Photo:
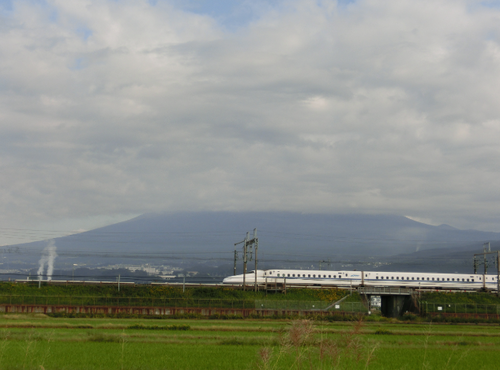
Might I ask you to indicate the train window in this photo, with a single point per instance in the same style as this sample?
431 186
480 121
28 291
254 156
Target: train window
304 275
452 279
413 278
387 277
448 279
392 277
467 279
472 280
329 276
314 275
432 279
293 275
377 277
278 275
418 278
308 275
288 275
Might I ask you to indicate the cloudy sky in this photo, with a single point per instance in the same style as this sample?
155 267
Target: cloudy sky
113 108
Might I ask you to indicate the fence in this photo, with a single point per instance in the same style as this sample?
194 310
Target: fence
309 306
125 301
181 303
459 308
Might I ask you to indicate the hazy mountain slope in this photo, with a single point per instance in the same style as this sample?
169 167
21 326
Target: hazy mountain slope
204 236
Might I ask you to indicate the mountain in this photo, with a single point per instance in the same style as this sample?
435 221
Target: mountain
285 239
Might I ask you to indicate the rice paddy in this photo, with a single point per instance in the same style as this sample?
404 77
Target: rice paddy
40 342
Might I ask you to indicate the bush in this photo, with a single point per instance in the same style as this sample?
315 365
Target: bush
408 316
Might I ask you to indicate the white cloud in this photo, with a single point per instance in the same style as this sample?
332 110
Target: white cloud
112 108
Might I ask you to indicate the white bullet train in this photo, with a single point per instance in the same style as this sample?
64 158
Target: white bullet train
346 279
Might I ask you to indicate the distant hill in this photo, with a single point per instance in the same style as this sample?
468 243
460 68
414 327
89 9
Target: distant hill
286 239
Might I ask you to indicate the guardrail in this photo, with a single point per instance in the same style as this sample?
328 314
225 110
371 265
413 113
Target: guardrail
384 290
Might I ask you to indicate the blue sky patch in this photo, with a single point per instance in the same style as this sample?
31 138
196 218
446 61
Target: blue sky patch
84 32
78 64
6 5
231 14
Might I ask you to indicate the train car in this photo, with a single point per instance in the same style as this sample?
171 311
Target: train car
341 278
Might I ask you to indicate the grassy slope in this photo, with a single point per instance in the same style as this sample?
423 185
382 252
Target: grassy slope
444 297
327 295
152 291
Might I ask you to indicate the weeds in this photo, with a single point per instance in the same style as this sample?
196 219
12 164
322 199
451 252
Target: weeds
383 331
122 359
300 344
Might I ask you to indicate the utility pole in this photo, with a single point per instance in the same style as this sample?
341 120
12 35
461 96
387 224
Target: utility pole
484 256
235 259
248 244
256 246
245 261
485 262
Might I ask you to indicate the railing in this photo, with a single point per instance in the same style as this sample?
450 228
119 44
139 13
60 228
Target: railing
459 308
125 301
384 290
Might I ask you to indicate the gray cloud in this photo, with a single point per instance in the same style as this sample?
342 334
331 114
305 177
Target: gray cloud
376 106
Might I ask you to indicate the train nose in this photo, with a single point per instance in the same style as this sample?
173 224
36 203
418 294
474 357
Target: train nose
227 280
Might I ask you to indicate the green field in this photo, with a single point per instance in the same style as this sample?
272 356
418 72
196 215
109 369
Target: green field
39 342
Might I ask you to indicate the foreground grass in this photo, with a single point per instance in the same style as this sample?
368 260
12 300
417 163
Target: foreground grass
29 342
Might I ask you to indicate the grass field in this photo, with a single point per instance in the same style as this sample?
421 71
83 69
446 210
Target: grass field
38 342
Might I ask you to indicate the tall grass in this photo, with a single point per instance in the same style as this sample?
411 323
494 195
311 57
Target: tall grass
300 348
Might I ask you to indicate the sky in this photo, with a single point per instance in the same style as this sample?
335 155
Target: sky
114 108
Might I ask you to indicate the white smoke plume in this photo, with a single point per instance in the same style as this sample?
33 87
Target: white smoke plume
48 256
